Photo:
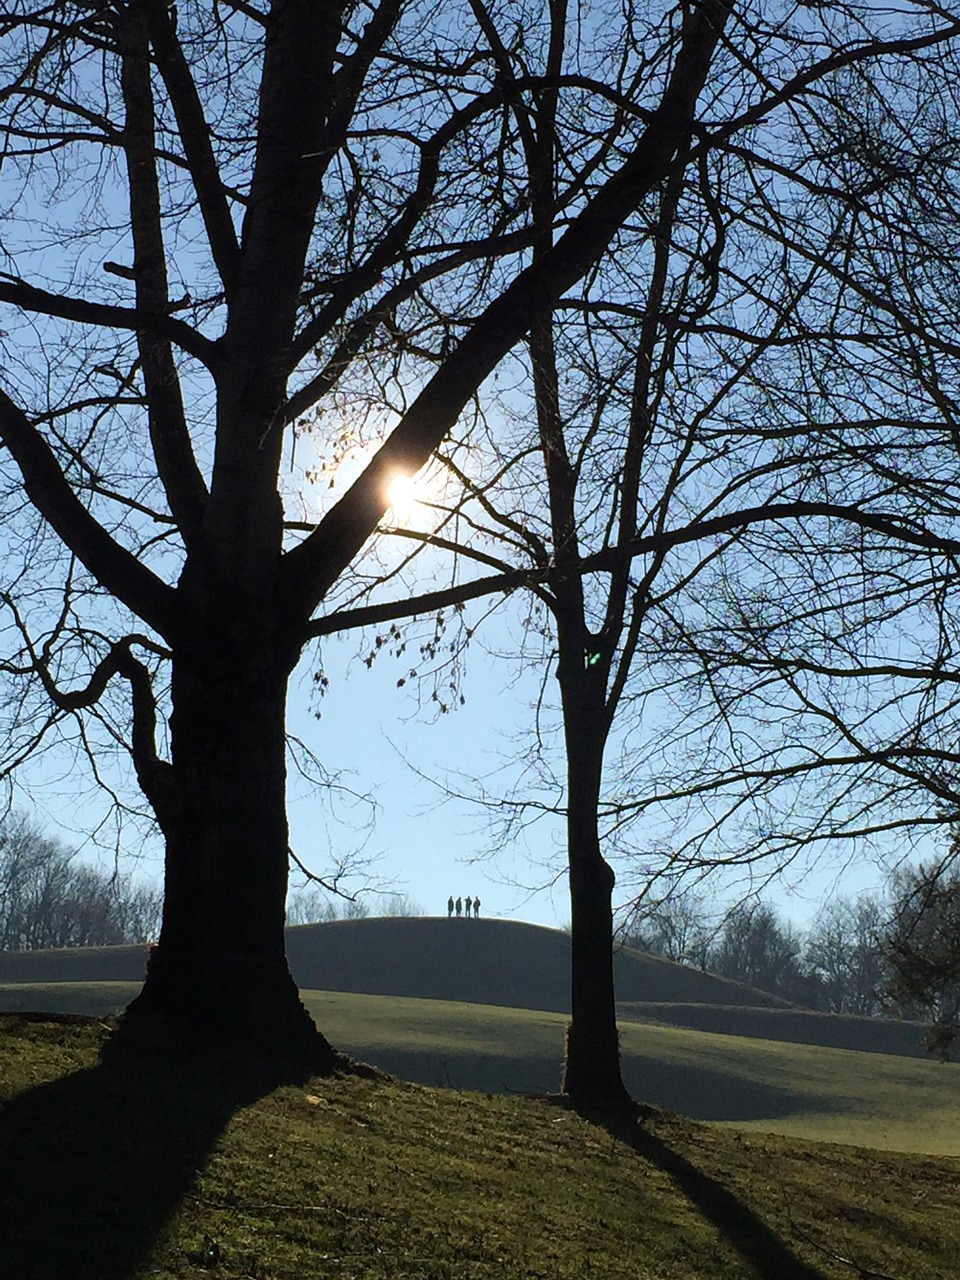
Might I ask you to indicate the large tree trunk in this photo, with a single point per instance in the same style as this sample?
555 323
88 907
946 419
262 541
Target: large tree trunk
591 1076
219 972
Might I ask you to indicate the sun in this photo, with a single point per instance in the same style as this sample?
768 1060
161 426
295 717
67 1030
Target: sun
406 496
402 493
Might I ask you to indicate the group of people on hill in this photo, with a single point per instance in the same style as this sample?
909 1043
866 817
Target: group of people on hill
462 907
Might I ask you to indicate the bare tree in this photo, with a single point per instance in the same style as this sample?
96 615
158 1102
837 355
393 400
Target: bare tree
302 204
313 906
756 947
921 944
842 954
49 899
817 707
679 927
635 485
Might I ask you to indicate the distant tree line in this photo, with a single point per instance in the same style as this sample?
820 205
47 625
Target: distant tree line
922 948
313 906
896 954
50 899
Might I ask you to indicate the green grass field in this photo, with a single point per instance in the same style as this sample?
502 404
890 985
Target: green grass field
145 1169
809 1091
835 1095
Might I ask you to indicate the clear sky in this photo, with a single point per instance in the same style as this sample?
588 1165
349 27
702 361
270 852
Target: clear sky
429 845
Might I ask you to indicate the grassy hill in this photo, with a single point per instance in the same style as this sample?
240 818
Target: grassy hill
837 1095
872 1100
798 1026
489 962
502 962
75 964
189 1169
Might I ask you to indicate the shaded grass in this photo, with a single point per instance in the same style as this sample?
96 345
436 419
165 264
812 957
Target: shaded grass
126 963
870 1100
369 1179
799 1026
499 962
98 1155
92 999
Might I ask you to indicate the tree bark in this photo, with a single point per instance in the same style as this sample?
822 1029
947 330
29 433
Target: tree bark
219 973
591 1077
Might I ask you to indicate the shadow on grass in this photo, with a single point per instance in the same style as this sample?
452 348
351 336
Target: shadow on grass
698 1091
693 1090
95 1164
760 1246
770 1257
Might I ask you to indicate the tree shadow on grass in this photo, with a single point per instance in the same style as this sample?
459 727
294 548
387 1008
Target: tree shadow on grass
770 1257
694 1090
704 1093
96 1163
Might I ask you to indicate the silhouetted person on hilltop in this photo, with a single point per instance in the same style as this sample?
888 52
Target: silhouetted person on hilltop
469 906
459 906
476 908
450 905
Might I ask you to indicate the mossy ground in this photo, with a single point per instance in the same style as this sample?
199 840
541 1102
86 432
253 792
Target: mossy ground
180 1170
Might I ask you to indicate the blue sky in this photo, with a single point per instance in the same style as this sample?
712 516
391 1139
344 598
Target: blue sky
394 762
369 731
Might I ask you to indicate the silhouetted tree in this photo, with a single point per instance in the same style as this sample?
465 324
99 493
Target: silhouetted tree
310 208
755 946
842 953
631 457
822 716
311 906
677 926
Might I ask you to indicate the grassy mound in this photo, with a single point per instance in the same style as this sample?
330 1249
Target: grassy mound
500 962
91 999
75 964
799 1026
871 1100
179 1171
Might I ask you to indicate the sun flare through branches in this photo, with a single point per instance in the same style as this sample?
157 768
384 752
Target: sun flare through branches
409 500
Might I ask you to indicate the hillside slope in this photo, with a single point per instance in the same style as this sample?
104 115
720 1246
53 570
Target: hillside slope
185 1168
501 962
793 1026
868 1099
75 964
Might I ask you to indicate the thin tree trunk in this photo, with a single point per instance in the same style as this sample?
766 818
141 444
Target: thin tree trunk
592 1075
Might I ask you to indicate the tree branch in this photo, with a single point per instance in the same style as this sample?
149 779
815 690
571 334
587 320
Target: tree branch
197 146
611 558
107 316
176 464
375 614
117 570
311 568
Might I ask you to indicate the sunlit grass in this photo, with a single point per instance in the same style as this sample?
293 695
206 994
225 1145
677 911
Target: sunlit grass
371 1179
